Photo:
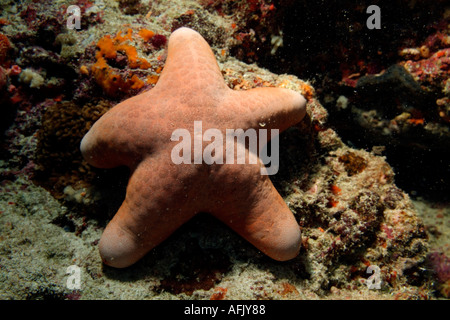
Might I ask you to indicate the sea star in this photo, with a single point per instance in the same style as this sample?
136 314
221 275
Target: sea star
162 195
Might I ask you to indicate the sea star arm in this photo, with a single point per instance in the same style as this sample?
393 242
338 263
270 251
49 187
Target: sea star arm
191 66
267 108
123 134
252 207
148 215
106 143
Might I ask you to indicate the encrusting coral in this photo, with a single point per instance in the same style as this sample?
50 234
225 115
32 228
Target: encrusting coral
118 52
63 126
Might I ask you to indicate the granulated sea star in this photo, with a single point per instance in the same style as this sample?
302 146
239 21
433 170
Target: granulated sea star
162 195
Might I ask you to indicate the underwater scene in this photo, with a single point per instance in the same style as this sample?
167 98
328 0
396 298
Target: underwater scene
224 150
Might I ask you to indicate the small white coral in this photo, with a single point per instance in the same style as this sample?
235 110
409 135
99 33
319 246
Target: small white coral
32 78
342 102
276 41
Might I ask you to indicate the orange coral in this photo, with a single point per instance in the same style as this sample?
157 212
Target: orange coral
152 79
307 90
84 70
416 121
219 293
136 82
288 289
332 203
146 34
109 48
335 190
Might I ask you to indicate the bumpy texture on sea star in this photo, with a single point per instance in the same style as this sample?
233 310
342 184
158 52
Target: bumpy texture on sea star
162 195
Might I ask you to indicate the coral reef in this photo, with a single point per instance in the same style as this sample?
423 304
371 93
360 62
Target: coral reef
252 23
352 217
386 92
132 7
393 81
441 266
58 157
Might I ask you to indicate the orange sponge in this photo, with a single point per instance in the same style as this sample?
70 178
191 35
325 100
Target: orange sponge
108 48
